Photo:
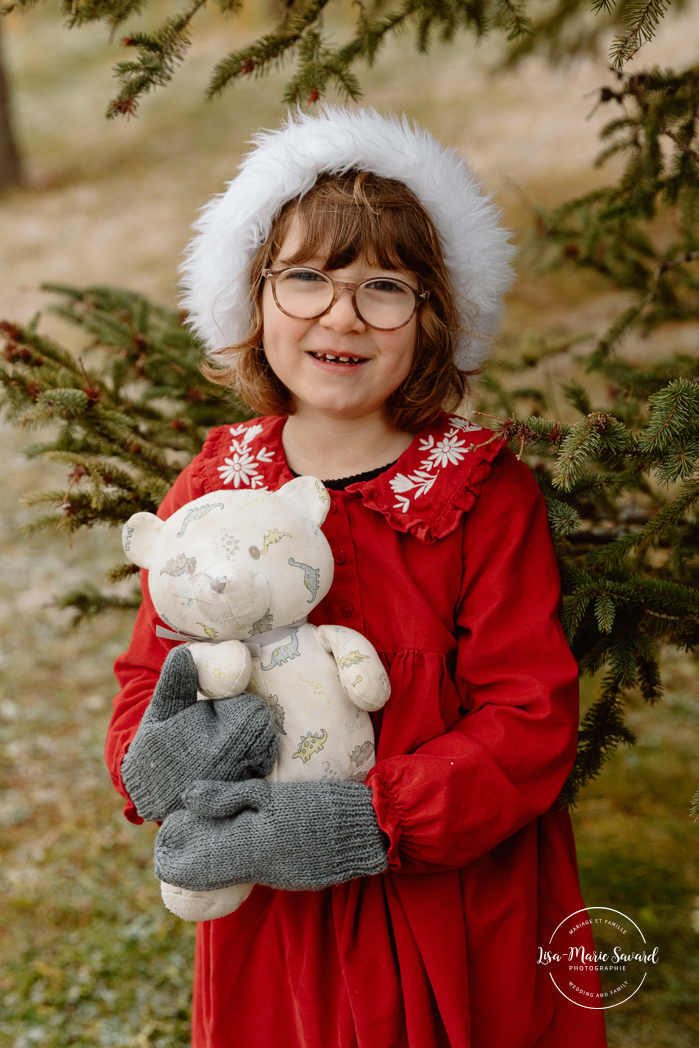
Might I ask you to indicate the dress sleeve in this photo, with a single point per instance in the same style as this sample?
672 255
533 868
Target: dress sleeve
138 669
504 763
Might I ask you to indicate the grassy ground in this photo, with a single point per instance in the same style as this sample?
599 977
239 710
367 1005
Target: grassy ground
88 956
638 852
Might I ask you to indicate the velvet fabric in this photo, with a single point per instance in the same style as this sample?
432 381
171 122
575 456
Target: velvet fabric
445 563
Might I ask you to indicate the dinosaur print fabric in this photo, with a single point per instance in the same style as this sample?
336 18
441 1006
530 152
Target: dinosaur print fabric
325 702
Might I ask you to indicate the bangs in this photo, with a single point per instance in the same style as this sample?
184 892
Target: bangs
360 215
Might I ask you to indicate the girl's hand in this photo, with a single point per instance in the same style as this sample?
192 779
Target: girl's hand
293 835
181 740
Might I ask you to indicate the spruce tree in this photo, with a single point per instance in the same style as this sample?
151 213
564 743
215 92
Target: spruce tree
126 415
300 33
621 482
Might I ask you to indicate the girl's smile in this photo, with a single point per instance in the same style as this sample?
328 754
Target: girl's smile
337 362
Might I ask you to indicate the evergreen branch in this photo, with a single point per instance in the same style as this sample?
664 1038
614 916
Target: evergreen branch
601 731
25 347
552 33
605 611
88 601
577 396
563 518
607 6
532 430
113 12
689 152
673 263
634 314
632 381
594 482
536 348
511 17
641 22
266 52
44 498
574 609
41 522
586 439
296 31
665 519
160 52
616 332
673 409
666 595
159 55
116 448
121 571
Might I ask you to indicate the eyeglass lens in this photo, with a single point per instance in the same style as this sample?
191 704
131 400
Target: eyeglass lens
381 303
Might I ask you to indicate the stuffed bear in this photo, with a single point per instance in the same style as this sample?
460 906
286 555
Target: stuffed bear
234 574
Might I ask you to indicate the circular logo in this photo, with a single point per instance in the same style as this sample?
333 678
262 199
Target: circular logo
598 957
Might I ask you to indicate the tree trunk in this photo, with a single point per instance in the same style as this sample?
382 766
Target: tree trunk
10 163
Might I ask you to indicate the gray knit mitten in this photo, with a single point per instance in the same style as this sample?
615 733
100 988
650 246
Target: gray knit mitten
293 835
181 740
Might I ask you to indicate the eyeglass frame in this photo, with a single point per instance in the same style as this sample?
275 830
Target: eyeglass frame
419 296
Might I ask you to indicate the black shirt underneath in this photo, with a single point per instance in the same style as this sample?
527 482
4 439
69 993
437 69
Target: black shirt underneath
343 482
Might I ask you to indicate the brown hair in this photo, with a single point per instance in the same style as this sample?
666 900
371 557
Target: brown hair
359 214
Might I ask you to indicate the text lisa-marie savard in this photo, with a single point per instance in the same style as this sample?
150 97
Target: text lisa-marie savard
616 960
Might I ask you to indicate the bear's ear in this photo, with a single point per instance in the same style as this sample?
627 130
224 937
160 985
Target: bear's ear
309 495
139 536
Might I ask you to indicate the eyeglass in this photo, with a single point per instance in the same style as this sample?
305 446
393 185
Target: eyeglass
381 302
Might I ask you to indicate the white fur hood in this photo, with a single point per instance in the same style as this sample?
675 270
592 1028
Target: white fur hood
286 163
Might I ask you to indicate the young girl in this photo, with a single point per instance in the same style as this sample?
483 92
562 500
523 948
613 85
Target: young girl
345 285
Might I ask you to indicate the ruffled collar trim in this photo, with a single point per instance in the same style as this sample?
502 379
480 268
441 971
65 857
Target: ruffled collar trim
425 492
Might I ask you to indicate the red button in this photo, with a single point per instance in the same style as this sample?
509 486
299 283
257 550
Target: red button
339 556
346 609
333 505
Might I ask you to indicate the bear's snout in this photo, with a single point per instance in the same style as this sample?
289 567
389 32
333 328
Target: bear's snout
230 597
216 582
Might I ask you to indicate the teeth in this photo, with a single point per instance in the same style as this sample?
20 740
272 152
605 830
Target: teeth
332 358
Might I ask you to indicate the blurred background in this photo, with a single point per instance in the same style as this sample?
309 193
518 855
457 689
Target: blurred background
88 955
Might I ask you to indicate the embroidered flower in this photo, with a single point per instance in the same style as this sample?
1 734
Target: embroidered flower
462 424
240 469
401 483
249 433
423 481
420 481
449 449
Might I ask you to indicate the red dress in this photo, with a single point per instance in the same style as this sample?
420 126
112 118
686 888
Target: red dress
445 562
